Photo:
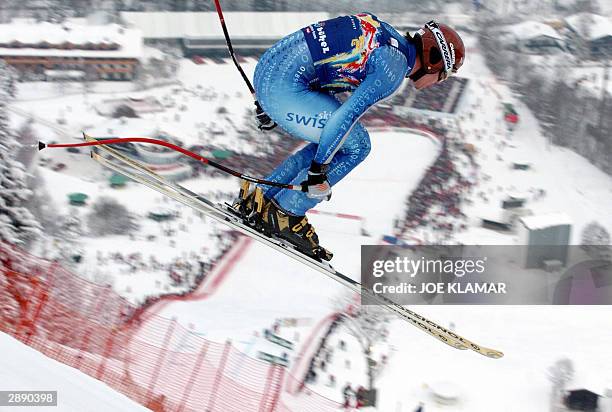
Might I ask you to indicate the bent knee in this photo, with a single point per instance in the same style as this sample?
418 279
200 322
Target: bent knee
358 145
366 144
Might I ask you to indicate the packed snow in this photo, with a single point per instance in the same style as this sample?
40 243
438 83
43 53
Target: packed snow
29 370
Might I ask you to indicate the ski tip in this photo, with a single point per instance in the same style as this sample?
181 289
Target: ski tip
495 354
41 145
488 352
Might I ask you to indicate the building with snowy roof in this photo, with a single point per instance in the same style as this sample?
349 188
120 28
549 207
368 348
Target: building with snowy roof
546 238
582 400
593 29
589 393
40 49
200 33
533 37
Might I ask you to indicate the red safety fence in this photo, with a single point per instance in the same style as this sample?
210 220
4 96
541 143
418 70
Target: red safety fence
158 363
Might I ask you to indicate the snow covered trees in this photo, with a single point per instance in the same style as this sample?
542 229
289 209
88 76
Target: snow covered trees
572 107
58 12
596 240
370 327
70 230
595 234
17 225
8 79
560 374
25 136
7 82
367 323
109 217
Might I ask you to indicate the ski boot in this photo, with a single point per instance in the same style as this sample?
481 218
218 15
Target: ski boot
295 229
249 205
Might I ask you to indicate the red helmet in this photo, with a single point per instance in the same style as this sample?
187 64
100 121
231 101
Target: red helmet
441 49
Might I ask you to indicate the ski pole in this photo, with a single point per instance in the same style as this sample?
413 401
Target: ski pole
230 48
195 156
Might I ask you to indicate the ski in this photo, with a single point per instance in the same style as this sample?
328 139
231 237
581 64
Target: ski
140 173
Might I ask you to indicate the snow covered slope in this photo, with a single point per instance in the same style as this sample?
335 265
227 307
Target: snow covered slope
24 369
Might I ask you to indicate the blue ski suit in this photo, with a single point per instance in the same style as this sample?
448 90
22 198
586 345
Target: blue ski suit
295 82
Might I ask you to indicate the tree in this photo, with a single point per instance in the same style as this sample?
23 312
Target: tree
87 81
124 111
595 234
58 12
17 224
142 76
560 114
504 64
8 83
118 6
41 204
560 374
109 217
263 5
172 64
201 5
70 230
595 240
368 324
178 5
26 137
586 6
61 84
371 322
584 27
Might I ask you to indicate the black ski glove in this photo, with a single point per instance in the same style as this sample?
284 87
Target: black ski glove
263 120
317 186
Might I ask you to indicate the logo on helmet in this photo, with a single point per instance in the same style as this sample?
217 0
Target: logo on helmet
448 55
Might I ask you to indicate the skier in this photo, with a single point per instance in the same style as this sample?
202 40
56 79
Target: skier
295 82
